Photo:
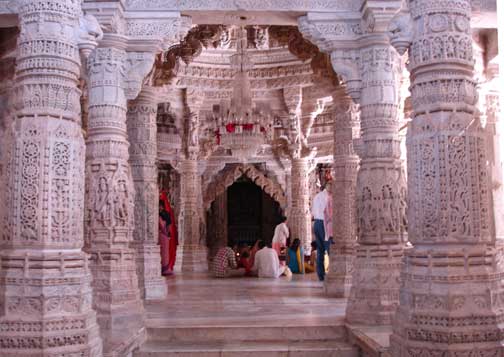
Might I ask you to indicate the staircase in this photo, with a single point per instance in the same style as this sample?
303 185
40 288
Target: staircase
233 340
246 323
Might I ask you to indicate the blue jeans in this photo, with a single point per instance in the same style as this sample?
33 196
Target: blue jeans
322 246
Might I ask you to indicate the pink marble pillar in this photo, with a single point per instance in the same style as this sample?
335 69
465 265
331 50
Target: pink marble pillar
45 281
338 281
192 251
142 135
110 202
299 219
452 295
381 190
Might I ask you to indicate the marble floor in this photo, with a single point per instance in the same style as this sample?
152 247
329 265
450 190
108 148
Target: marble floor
246 316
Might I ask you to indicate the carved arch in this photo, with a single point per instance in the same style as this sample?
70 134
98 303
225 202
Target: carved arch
228 176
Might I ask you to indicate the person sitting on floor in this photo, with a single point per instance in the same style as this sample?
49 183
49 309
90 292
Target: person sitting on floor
253 251
267 264
311 265
224 264
295 257
244 263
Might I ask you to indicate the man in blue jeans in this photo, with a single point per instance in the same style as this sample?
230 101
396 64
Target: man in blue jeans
318 206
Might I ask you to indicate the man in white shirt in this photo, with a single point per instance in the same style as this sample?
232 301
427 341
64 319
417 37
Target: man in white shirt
266 262
319 205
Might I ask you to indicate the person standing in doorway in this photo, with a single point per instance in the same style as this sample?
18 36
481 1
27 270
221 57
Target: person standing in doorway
318 207
280 236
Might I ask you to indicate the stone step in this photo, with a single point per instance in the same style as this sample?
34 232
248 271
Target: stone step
233 333
248 348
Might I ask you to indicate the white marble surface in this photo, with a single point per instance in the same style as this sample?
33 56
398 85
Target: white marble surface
246 316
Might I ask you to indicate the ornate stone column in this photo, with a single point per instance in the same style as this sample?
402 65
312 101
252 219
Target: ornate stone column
451 282
110 201
45 291
192 251
338 281
381 189
142 134
299 220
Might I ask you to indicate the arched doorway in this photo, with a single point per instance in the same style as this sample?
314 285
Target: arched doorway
252 214
242 204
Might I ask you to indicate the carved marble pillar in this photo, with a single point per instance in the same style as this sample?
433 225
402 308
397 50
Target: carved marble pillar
142 134
299 220
338 281
381 190
452 295
45 290
192 251
110 202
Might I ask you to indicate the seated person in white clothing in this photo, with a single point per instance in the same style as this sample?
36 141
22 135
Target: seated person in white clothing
267 264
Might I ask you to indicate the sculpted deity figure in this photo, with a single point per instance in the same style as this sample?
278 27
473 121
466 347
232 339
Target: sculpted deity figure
121 204
401 31
193 130
225 39
261 37
89 28
294 128
101 204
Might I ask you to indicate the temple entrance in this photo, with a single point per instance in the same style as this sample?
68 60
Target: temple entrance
252 214
242 205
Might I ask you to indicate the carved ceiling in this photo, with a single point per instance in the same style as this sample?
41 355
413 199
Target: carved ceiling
282 58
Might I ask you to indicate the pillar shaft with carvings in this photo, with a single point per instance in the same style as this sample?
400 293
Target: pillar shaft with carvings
110 201
45 299
381 190
192 250
338 281
142 135
299 219
452 296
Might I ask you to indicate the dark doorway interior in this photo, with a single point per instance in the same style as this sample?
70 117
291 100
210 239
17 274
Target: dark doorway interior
252 214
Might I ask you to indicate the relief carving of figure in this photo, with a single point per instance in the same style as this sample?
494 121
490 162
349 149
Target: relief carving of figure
294 128
89 29
120 203
193 130
102 203
225 39
401 31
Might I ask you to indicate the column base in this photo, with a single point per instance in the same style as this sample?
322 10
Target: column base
374 295
151 283
338 281
452 303
116 299
47 311
124 333
191 258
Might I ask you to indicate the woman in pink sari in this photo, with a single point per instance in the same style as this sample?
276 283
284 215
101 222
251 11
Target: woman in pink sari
164 237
